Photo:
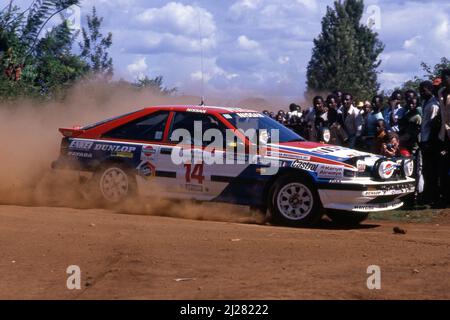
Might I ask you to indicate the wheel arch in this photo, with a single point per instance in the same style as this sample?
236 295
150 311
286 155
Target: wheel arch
302 174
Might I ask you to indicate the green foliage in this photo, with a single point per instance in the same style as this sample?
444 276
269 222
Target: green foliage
154 85
345 54
94 47
33 65
56 67
429 73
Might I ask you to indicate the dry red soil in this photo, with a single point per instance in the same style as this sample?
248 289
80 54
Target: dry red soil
125 256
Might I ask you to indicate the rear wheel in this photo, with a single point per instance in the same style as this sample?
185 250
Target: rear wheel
112 184
346 218
294 201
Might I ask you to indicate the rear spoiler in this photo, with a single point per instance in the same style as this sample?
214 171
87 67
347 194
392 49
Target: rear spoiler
71 132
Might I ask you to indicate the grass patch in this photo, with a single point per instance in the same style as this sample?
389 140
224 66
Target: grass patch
409 215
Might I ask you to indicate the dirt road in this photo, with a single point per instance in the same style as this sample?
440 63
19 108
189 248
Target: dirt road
148 257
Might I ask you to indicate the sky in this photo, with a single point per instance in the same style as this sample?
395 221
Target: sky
257 48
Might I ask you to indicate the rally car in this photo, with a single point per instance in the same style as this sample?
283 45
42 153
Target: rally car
292 180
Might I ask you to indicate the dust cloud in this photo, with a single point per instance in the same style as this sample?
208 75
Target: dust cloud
30 142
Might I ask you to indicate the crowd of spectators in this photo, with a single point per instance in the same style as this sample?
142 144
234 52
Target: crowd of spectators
405 124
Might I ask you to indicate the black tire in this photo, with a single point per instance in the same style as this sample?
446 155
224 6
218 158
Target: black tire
299 208
345 218
122 184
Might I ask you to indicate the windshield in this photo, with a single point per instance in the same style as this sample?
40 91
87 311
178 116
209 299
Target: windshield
258 121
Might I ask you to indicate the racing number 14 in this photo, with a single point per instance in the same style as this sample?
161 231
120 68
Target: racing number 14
195 174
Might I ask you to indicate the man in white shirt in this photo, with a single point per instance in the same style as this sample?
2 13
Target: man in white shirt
429 142
352 120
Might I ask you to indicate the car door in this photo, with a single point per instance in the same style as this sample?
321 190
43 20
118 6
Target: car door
193 176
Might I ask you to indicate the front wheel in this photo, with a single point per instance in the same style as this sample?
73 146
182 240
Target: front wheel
295 202
345 218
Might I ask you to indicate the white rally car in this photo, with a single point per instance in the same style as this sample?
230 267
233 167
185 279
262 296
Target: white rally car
296 180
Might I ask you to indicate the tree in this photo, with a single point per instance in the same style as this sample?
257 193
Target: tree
20 38
155 85
94 47
345 54
56 67
430 73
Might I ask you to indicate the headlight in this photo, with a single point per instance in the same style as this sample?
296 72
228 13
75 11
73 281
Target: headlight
326 135
408 167
385 169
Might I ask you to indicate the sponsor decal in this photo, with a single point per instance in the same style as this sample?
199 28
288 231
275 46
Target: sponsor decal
81 145
114 148
80 154
361 165
377 206
148 152
389 187
386 169
249 115
377 193
194 187
297 164
328 149
325 171
146 169
196 110
122 154
294 156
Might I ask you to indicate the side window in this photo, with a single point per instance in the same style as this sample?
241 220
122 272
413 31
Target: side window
147 128
186 120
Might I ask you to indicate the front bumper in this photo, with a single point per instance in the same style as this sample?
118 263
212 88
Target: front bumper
365 196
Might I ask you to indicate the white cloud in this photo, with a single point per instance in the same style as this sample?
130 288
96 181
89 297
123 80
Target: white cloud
412 43
138 67
283 60
311 5
241 6
247 44
178 18
197 76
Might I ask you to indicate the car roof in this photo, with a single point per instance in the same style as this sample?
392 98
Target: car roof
206 109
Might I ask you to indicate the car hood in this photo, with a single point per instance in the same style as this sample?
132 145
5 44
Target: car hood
318 152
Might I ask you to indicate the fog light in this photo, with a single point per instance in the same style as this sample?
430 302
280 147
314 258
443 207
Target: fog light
408 167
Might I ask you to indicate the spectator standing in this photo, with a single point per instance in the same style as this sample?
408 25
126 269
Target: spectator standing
394 112
429 142
371 122
340 98
444 136
338 136
314 118
379 137
351 120
410 126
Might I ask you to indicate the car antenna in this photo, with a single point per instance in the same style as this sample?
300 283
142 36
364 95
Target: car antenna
202 101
